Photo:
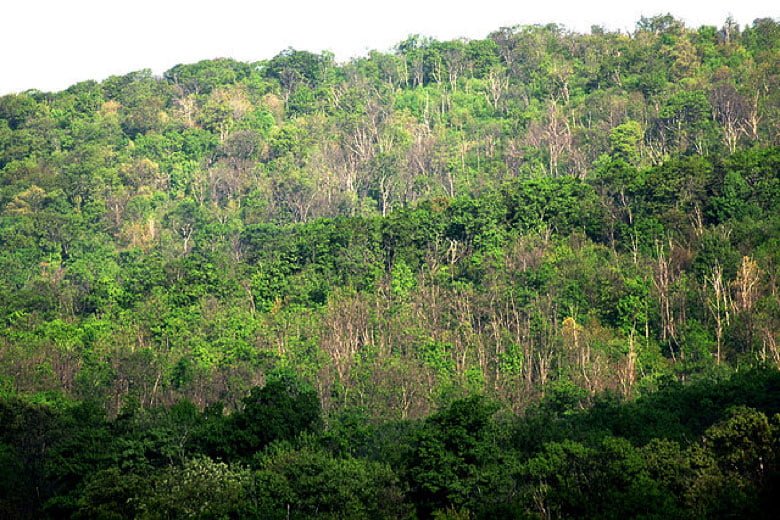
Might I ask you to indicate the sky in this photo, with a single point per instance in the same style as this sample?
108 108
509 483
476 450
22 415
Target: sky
51 44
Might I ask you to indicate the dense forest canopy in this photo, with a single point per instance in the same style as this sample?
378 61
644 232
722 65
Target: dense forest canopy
536 260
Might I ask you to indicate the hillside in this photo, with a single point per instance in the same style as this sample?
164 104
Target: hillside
481 237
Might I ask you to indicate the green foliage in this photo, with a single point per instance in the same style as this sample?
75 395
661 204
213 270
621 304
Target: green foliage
448 454
314 483
205 76
281 410
201 488
624 141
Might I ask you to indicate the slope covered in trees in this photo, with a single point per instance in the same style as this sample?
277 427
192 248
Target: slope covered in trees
558 222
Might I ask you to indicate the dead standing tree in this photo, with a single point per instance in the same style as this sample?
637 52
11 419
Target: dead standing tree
718 302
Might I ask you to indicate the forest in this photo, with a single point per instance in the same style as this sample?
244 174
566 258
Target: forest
534 275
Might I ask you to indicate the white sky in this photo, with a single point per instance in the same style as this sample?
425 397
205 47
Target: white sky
51 44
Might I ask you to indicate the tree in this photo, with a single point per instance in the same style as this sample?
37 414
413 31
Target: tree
15 109
201 488
684 122
293 69
625 140
731 110
315 483
205 76
281 410
449 454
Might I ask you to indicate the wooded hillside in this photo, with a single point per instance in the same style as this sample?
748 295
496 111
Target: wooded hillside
538 222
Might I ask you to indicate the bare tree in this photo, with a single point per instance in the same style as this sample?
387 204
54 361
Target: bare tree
746 285
552 135
346 328
718 302
497 82
666 273
731 110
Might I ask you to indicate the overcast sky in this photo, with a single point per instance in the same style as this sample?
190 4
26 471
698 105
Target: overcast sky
51 44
